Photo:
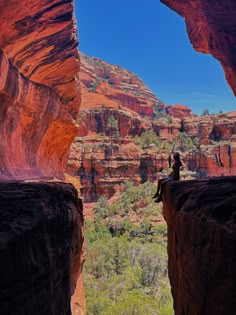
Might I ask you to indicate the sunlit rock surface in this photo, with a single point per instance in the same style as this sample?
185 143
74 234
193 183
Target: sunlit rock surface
179 111
39 92
107 85
211 29
202 245
41 248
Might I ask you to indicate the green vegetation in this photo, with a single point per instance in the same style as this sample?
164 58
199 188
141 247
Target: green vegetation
147 138
113 127
94 86
185 142
205 112
126 268
163 114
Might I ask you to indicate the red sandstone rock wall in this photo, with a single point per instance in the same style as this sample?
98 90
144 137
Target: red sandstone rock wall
39 92
179 111
218 160
103 166
202 245
41 247
106 85
211 29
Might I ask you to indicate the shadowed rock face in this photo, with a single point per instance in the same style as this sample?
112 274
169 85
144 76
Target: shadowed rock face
201 220
211 29
39 92
41 229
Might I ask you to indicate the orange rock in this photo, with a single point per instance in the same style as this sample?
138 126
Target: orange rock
113 86
39 91
179 111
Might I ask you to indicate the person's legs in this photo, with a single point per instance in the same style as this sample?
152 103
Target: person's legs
162 186
159 187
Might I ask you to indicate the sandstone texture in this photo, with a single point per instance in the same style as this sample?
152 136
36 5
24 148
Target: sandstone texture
216 154
211 30
179 111
202 245
41 247
106 85
102 166
39 92
215 160
103 160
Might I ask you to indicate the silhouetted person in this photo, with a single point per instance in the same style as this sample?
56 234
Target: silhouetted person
173 176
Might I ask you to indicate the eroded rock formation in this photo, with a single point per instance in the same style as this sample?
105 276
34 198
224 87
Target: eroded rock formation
179 111
202 245
103 166
211 29
39 92
103 160
41 224
107 85
41 247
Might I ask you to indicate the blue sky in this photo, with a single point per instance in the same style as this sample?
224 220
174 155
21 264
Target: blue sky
150 40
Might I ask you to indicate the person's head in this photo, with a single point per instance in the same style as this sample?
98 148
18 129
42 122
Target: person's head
177 156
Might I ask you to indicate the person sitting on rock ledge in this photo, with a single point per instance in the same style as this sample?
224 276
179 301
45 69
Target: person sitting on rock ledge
175 175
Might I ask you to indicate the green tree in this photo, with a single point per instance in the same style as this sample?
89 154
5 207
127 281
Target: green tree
205 112
185 141
147 138
113 127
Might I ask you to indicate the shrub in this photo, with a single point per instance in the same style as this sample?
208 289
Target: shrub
147 138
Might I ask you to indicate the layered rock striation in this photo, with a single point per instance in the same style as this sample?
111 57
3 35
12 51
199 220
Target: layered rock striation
104 160
103 164
107 85
41 247
211 30
41 224
39 90
216 154
200 216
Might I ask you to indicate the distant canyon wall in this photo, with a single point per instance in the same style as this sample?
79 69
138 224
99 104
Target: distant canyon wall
103 161
39 89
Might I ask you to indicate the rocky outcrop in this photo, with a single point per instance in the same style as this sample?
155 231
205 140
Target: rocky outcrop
214 127
41 224
39 92
202 245
179 111
96 121
103 164
167 129
211 30
216 153
113 86
41 247
215 160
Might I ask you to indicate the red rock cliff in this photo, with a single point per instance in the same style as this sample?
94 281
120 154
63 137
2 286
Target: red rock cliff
41 247
39 92
211 29
202 245
108 85
41 224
